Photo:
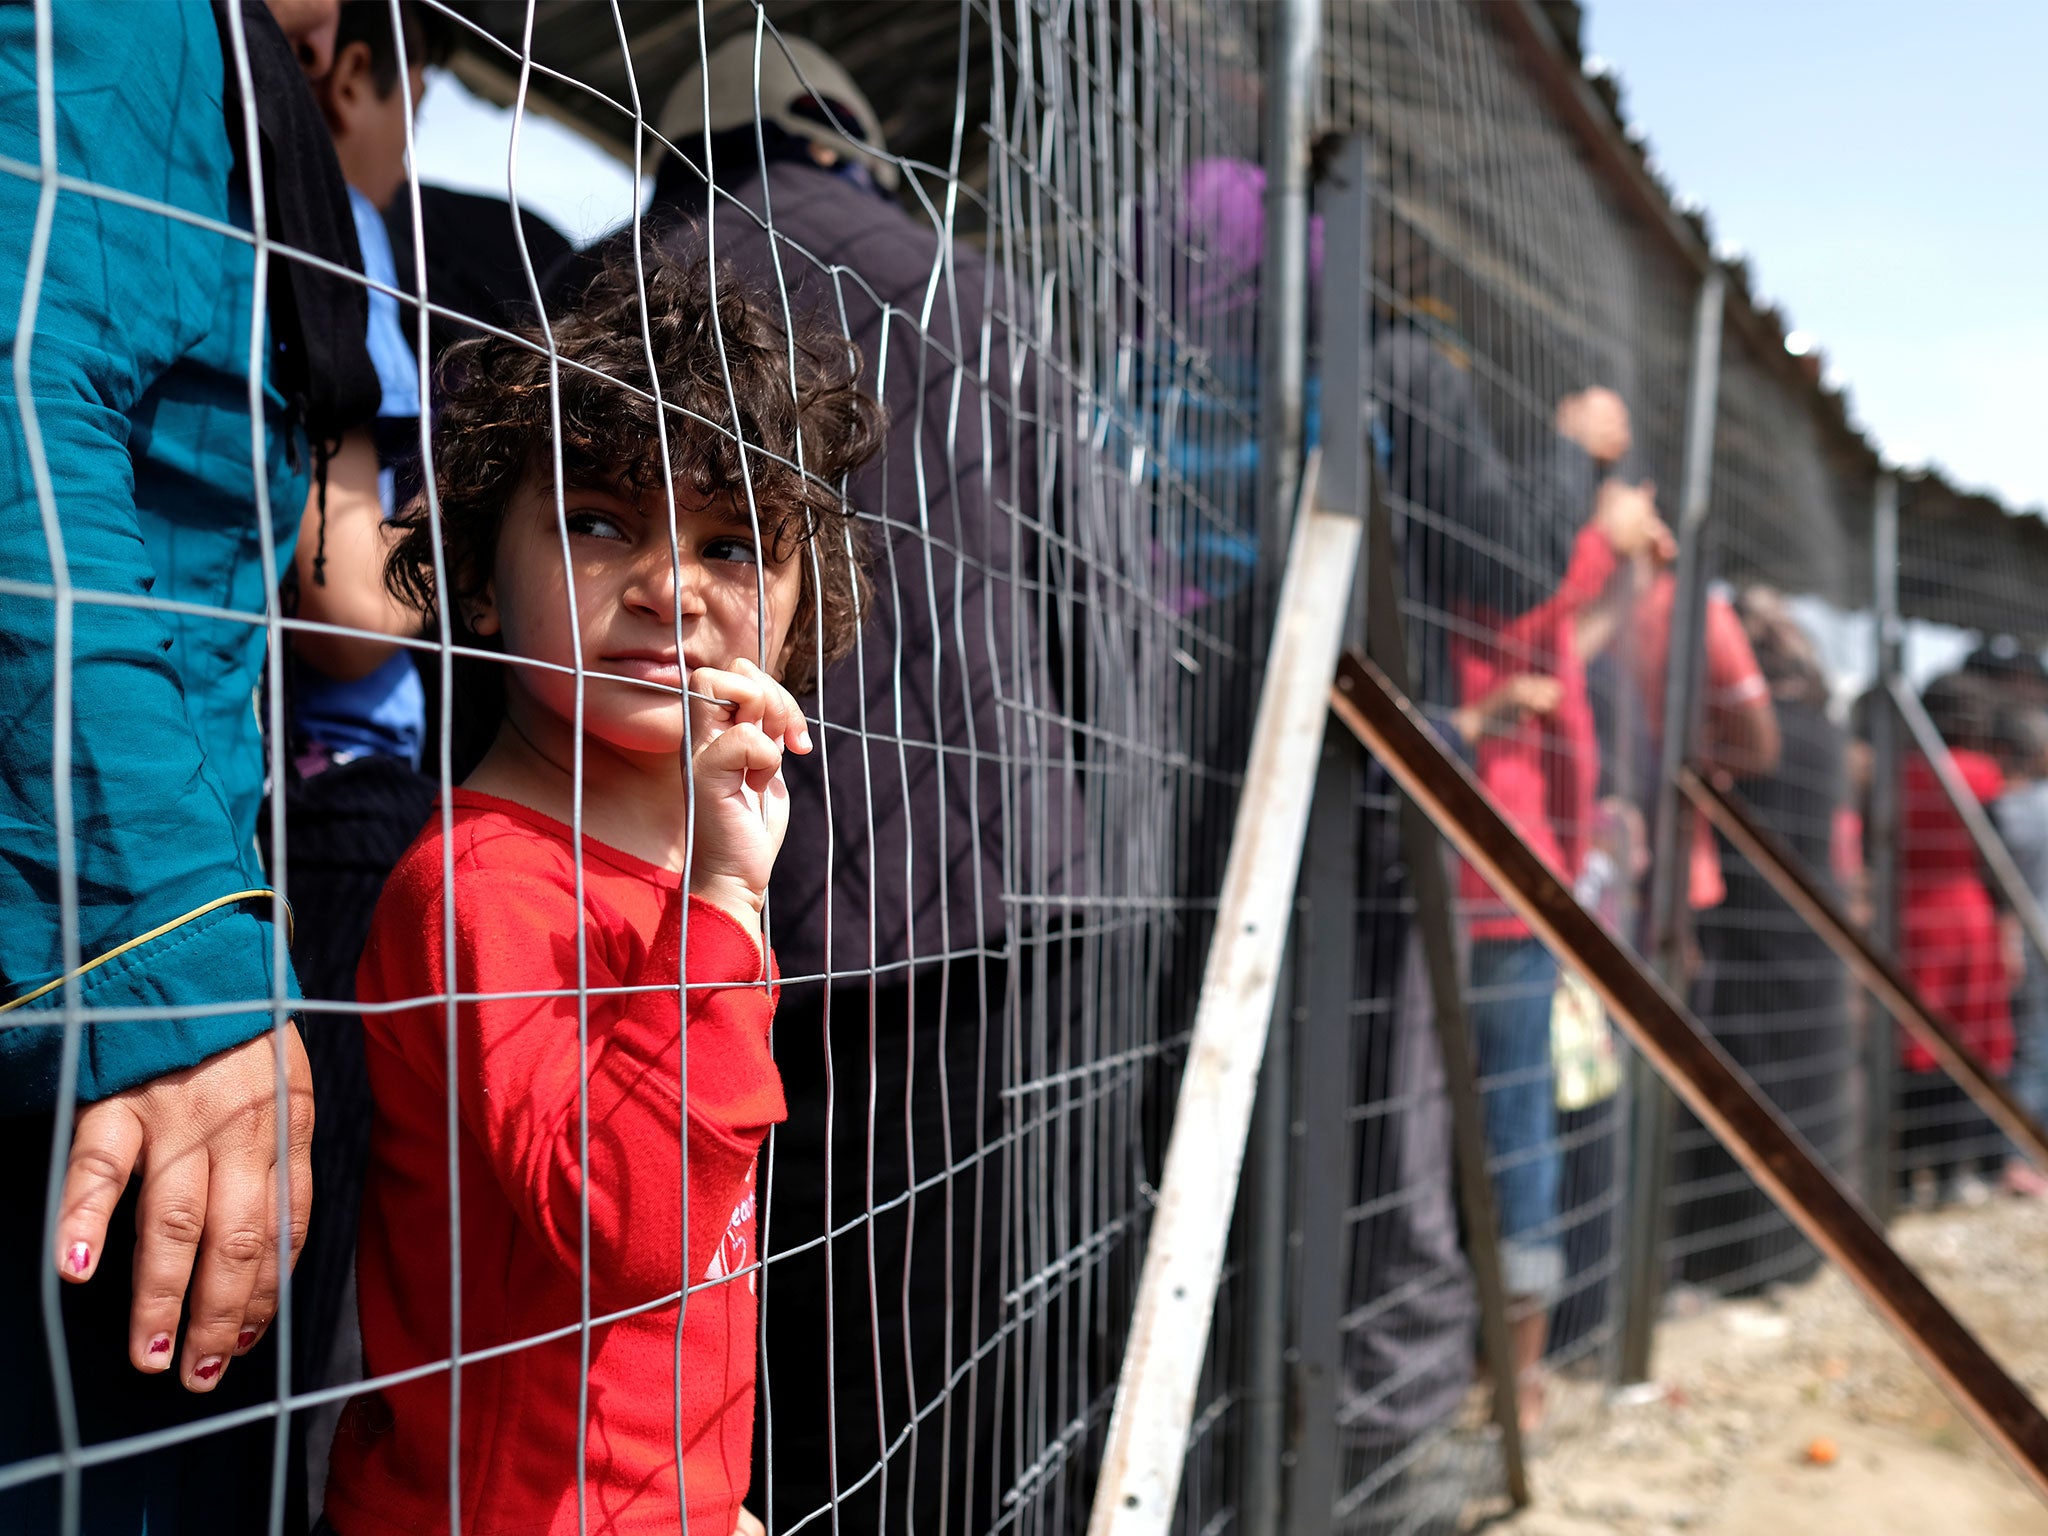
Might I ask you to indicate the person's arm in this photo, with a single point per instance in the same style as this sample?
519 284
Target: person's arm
1506 705
156 839
340 567
186 1098
1742 722
520 1072
526 1089
1595 626
1624 528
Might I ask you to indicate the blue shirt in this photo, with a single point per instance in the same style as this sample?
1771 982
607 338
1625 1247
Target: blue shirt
386 710
397 364
139 373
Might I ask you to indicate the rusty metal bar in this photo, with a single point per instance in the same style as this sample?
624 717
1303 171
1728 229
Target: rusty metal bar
1880 975
1694 1065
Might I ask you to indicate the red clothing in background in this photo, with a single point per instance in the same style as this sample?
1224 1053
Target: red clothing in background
518 1145
1948 928
1733 680
1845 848
1543 773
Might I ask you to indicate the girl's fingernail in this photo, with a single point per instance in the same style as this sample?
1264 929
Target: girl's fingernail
159 1345
243 1340
208 1368
78 1258
803 739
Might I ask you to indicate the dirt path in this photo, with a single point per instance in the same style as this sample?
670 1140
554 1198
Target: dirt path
1721 1444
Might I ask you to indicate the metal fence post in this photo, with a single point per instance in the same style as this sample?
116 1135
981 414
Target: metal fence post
1671 863
1268 1214
1880 1045
1294 50
1326 935
1326 939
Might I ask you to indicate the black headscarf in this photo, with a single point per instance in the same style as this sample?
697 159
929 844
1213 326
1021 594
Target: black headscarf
320 362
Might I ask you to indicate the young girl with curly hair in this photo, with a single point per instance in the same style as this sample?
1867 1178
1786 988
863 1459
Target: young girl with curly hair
566 977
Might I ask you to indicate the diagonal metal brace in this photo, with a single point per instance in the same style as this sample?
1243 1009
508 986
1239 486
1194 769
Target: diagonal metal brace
1690 1060
1878 972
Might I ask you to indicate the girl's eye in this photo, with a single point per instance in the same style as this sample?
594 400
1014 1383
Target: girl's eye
738 548
593 524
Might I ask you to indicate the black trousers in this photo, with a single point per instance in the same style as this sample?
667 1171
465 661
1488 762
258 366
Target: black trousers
1772 995
1940 1127
345 829
219 1481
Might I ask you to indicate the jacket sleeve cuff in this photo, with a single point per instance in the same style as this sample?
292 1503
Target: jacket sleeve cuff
219 961
722 951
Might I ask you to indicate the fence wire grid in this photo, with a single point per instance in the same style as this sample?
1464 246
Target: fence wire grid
1026 610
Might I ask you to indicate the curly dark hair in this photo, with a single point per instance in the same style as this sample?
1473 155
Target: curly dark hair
494 432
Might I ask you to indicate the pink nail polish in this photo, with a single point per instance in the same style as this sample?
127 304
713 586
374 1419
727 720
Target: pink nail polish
207 1369
78 1258
160 1345
244 1339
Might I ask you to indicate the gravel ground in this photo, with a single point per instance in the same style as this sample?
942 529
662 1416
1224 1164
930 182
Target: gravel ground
1801 1412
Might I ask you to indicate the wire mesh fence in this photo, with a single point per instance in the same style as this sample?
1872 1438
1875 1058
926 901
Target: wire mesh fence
925 376
1507 298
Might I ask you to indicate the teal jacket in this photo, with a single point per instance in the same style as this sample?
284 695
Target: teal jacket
139 378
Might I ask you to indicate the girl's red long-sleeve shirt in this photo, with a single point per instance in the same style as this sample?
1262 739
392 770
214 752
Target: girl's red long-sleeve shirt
1948 927
1544 773
518 1146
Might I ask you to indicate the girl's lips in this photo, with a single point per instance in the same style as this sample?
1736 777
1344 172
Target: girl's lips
647 669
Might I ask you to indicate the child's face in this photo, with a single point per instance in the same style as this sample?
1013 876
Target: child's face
628 602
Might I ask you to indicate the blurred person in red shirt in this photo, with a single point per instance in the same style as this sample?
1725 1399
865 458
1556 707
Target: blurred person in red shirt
1950 943
1527 719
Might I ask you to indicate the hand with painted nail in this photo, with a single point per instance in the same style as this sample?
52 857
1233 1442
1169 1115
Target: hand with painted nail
203 1143
741 722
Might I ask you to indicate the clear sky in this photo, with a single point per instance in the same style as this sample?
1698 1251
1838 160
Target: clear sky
464 143
1885 166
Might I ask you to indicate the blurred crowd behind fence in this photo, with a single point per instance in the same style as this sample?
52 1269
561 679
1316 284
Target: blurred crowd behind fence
1629 527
